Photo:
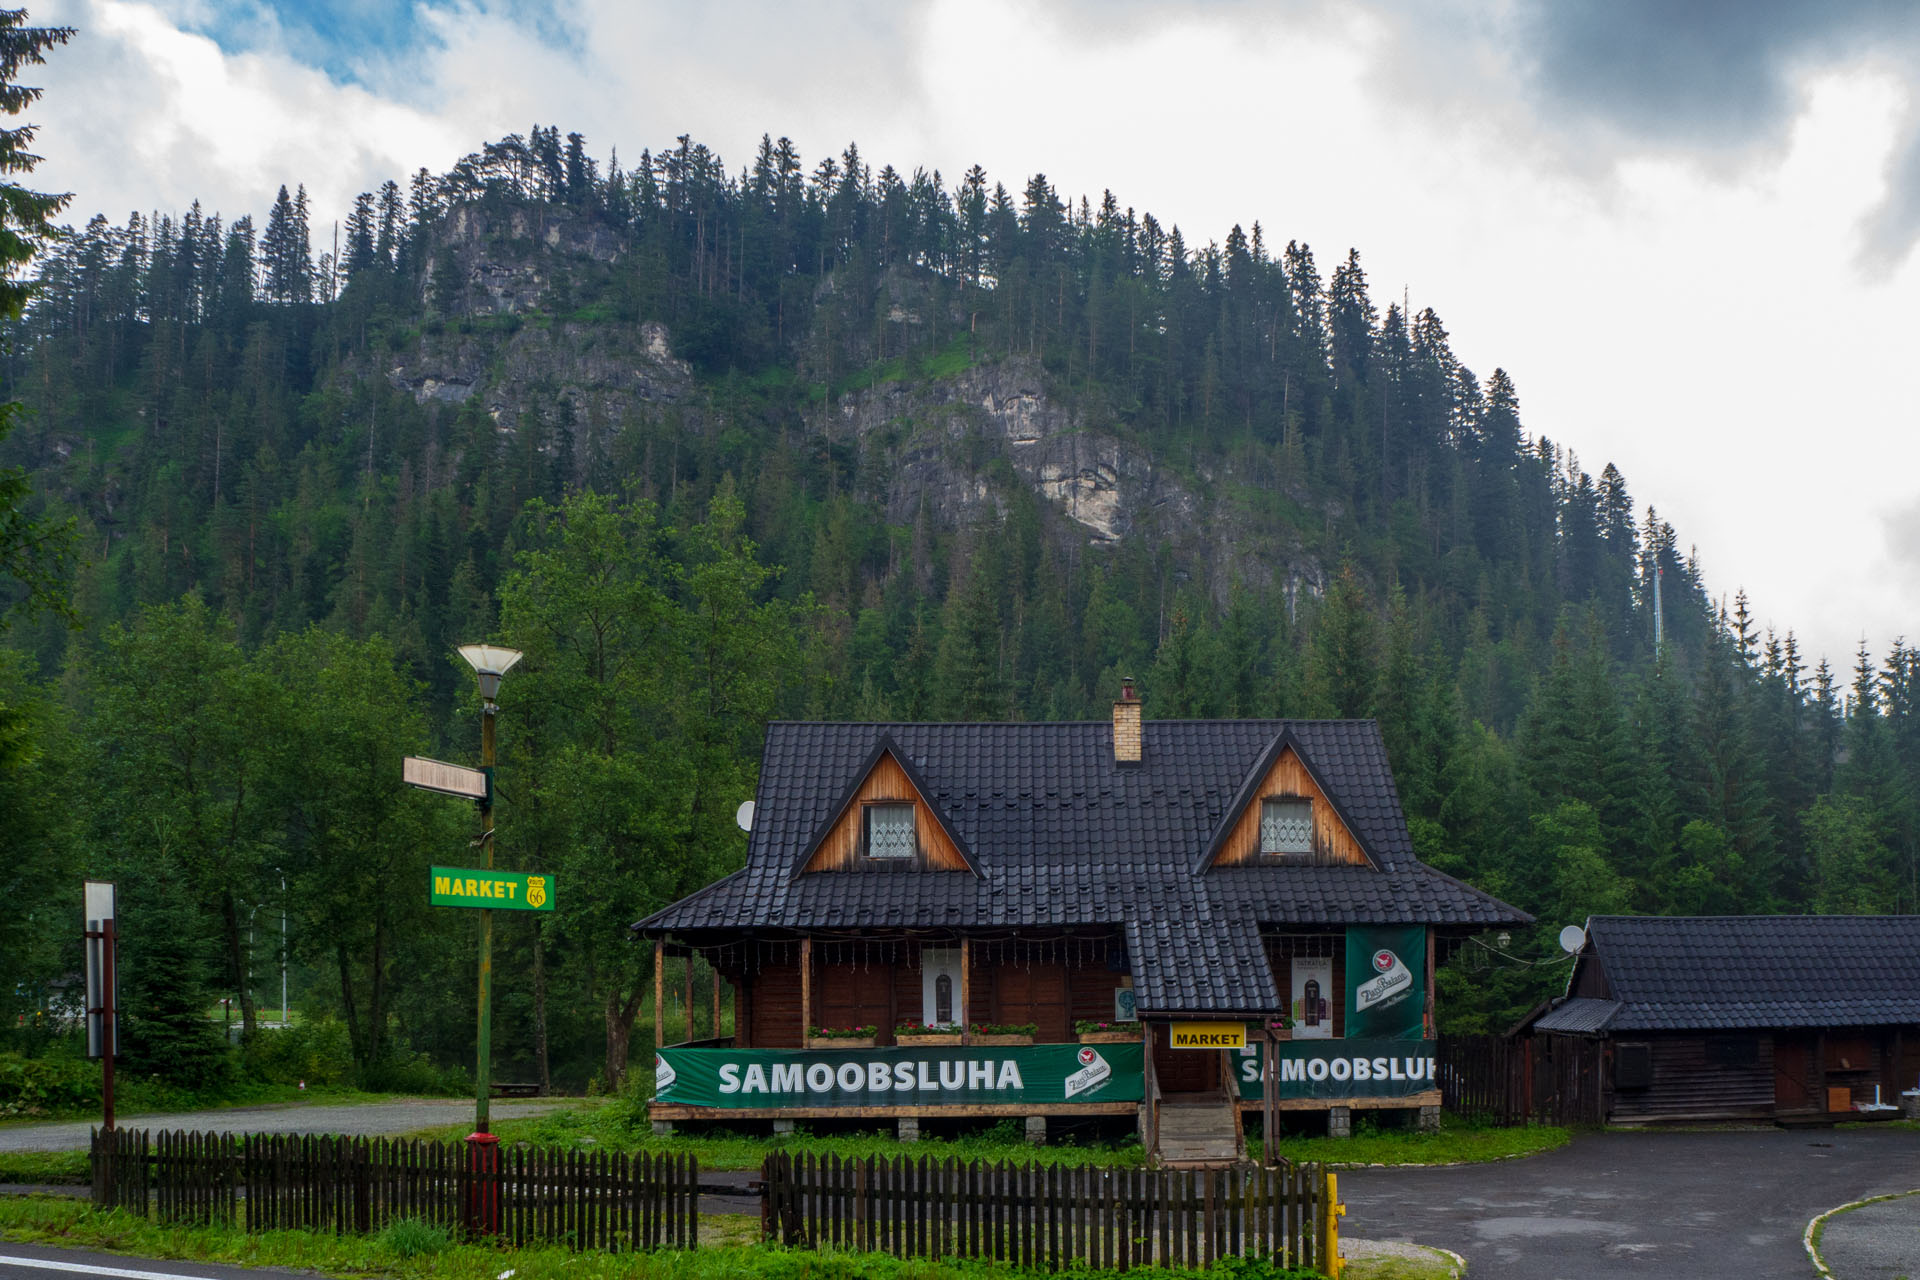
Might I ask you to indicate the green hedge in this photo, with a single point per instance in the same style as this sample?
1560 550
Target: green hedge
42 1086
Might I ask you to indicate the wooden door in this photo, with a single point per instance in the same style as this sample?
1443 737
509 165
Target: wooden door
855 995
1793 1081
1036 994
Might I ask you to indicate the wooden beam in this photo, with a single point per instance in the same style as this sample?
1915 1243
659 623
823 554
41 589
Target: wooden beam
806 988
689 975
682 1111
1149 1085
966 992
1425 1098
1432 1022
716 1004
659 992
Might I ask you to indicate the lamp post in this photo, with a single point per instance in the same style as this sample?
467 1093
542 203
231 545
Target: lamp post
490 663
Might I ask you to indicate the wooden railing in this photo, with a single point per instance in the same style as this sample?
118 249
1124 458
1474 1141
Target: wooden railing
1047 1216
270 1182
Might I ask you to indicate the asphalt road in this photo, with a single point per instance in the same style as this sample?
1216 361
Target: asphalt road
365 1119
1874 1242
38 1262
1703 1205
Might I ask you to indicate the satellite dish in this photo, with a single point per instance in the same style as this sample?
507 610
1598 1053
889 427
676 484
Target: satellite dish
743 816
1572 938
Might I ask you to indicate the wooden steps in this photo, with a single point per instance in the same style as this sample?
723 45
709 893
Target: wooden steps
1199 1131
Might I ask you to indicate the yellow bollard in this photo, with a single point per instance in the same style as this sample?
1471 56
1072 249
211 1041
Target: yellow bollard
1330 1226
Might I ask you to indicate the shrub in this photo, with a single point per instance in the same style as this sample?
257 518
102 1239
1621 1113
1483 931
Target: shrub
42 1086
317 1052
413 1075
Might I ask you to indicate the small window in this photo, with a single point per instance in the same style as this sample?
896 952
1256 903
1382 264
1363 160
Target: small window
1633 1066
1286 826
890 831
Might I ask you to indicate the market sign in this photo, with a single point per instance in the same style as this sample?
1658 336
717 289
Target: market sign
1341 1068
1208 1035
501 890
1029 1075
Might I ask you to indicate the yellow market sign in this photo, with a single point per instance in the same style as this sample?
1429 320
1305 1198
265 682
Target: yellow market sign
1209 1035
504 890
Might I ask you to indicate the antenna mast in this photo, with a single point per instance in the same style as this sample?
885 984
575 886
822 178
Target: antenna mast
1658 620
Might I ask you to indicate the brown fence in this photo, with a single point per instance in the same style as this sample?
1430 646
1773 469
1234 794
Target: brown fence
1046 1216
1539 1080
277 1182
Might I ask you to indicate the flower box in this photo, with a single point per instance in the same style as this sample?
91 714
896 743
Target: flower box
908 1040
983 1039
1108 1037
840 1042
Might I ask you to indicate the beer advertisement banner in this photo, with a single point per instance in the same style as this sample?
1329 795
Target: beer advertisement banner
1031 1075
1386 982
1341 1069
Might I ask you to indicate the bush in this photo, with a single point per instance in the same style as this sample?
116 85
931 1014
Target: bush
317 1052
413 1075
43 1086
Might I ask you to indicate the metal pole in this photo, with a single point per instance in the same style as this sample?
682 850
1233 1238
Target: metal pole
283 951
483 1070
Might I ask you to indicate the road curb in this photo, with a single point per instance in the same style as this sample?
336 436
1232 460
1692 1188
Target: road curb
1816 1223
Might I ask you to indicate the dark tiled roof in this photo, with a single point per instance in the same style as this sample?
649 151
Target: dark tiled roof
1581 1015
1060 835
1678 973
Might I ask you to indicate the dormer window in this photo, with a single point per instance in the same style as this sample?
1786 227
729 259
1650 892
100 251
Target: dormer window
890 831
1286 827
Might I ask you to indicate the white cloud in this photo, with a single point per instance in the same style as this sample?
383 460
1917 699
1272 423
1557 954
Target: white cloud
1698 315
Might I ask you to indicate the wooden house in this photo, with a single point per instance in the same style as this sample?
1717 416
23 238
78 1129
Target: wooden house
1746 1017
983 895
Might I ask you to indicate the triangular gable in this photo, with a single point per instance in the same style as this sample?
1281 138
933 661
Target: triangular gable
886 774
1283 771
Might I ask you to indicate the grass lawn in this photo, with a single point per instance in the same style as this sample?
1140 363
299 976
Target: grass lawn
45 1168
610 1125
135 1098
415 1251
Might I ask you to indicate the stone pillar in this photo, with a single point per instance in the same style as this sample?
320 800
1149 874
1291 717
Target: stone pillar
663 1128
909 1128
1339 1122
1037 1130
1429 1119
782 1126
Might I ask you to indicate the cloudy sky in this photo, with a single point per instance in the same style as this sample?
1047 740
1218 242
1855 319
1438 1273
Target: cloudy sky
1686 230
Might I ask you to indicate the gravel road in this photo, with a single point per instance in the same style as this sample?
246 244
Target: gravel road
365 1119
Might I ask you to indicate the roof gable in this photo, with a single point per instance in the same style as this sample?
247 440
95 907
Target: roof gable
887 774
1283 771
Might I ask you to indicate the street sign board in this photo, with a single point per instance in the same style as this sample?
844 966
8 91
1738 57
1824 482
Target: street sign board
448 779
103 984
501 890
1209 1035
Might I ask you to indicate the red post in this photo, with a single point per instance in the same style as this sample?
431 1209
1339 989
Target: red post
109 1033
483 1186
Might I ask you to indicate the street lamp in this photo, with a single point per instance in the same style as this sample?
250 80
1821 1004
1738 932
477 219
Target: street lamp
489 663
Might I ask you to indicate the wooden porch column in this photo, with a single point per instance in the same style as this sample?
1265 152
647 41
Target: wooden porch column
716 1004
1150 1086
690 1035
806 989
1431 1021
659 992
966 992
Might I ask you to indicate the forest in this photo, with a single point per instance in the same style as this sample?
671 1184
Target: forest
705 443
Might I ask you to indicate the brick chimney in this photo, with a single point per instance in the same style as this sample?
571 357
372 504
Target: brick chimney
1126 724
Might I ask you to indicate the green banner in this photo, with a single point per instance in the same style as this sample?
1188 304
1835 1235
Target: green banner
1386 982
502 890
1029 1075
1341 1068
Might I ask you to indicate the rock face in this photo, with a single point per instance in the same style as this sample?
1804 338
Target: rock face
504 261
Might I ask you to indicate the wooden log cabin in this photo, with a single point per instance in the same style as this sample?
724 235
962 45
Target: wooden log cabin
1786 1018
1238 900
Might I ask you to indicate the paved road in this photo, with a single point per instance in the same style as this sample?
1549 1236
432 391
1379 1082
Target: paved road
39 1262
1699 1205
361 1120
1876 1241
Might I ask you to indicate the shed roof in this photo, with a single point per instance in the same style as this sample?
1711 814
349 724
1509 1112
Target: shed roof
1682 973
1060 835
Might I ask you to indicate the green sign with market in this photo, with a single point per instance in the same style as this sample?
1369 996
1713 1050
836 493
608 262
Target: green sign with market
501 890
1341 1068
1024 1075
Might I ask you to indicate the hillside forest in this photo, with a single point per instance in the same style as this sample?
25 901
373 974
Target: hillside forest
811 438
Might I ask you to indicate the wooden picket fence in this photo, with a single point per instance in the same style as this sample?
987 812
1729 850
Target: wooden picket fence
268 1182
1047 1216
1538 1080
